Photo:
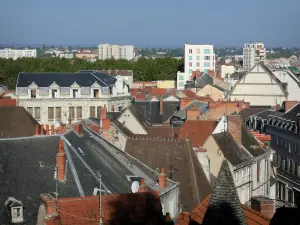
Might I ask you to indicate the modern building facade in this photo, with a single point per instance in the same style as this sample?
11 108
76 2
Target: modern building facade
196 58
253 53
59 97
107 51
9 53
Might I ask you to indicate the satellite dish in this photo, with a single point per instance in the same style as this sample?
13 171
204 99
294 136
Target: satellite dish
135 187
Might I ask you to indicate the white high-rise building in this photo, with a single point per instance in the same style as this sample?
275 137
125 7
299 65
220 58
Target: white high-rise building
107 51
196 58
252 53
9 53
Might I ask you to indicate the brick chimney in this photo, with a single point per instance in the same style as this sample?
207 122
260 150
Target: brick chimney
52 129
61 162
143 187
36 129
49 202
162 179
192 114
289 104
47 129
184 102
234 123
263 205
195 75
161 105
211 73
42 129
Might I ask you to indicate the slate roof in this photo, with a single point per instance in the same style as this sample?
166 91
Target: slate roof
124 130
84 79
247 112
15 121
139 208
232 152
202 106
224 205
264 114
180 163
117 72
139 113
292 113
27 170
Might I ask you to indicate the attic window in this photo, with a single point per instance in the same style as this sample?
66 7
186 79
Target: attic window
54 93
75 93
33 93
96 93
14 209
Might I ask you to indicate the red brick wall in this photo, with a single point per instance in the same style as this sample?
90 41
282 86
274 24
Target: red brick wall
192 114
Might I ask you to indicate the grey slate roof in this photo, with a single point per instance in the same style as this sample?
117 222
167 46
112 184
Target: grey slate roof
264 114
202 106
247 112
124 130
224 205
232 152
83 79
292 113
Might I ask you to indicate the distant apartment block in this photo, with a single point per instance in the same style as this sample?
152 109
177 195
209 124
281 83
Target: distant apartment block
107 51
9 53
253 53
66 55
196 58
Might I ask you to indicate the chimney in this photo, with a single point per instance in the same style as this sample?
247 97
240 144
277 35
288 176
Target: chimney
161 105
37 129
52 129
42 129
183 103
112 108
289 104
192 114
212 73
102 112
143 187
263 205
60 162
234 124
162 179
49 202
47 129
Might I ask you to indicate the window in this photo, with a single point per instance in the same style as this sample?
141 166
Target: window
198 51
37 113
206 64
71 113
296 168
75 93
30 110
120 108
58 113
290 146
258 172
190 57
96 93
285 164
79 112
205 70
190 51
190 64
50 113
242 173
181 77
236 175
181 84
295 150
92 111
206 57
54 93
98 111
33 93
197 64
197 57
207 51
289 195
248 171
190 71
291 166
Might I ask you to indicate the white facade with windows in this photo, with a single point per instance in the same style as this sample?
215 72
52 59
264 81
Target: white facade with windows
107 51
196 57
253 53
9 53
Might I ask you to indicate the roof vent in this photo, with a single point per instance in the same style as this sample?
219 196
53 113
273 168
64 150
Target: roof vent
15 210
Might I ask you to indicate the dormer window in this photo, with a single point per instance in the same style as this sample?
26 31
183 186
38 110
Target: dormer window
33 93
96 93
14 209
75 93
54 93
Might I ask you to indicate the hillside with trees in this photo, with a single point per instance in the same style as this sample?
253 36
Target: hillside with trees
144 69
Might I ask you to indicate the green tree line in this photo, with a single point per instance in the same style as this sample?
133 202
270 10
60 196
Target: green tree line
143 69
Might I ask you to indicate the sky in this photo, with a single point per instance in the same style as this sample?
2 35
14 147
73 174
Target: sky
161 23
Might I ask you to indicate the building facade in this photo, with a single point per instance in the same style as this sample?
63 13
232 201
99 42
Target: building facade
60 97
253 53
9 53
107 51
196 57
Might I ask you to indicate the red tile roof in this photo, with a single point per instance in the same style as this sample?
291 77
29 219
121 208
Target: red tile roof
197 131
252 217
139 208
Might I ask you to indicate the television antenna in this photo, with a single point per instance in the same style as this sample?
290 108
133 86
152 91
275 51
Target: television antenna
135 187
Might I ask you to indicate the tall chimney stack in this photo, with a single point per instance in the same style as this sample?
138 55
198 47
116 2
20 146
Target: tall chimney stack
52 129
143 187
162 179
60 162
47 129
42 129
37 129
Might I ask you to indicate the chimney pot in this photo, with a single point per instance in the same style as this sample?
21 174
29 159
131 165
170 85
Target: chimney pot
60 162
162 179
52 129
42 129
143 187
37 129
47 129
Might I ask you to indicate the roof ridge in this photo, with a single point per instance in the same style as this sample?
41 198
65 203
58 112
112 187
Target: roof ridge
255 212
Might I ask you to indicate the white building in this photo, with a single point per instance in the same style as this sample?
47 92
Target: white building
59 97
107 51
9 53
196 57
66 55
253 53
